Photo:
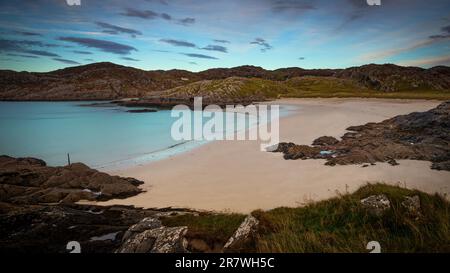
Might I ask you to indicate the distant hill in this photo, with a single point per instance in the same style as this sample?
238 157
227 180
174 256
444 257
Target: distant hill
102 81
389 77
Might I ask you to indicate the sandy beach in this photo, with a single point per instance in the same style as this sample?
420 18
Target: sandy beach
236 176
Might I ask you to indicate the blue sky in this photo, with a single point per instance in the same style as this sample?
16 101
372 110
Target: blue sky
44 35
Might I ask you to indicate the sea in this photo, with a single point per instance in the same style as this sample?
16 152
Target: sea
102 137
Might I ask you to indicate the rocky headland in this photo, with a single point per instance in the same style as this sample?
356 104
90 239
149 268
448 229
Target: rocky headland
416 136
30 181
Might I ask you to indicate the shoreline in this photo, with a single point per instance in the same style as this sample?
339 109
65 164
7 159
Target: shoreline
235 176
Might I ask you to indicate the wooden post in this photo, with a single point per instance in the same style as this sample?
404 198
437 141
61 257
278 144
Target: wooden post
68 159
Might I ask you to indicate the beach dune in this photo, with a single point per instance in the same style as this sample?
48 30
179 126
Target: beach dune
236 176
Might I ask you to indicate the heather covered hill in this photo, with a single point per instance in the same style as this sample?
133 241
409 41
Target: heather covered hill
90 82
390 78
243 90
105 81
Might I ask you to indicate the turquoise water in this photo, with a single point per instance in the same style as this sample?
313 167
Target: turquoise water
101 137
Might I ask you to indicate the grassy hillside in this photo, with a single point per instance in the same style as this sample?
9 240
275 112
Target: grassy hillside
336 225
235 88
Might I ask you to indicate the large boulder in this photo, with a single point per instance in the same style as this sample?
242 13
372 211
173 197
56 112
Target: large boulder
376 204
145 224
156 240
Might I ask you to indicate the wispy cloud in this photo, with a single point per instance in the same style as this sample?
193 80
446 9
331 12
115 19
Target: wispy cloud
182 43
82 52
130 59
113 29
264 46
201 56
428 62
26 33
187 21
178 43
445 33
151 15
25 46
292 6
22 56
383 54
221 41
144 14
40 53
65 61
216 48
103 45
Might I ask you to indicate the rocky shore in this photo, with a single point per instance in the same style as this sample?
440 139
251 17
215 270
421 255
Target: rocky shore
39 213
416 136
30 181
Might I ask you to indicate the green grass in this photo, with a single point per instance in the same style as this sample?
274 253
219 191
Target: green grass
300 87
329 87
210 228
336 225
341 225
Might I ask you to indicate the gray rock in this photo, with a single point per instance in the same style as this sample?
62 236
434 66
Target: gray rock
170 240
157 240
376 204
140 243
242 234
412 205
143 225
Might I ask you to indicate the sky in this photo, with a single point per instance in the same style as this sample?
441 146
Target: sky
45 35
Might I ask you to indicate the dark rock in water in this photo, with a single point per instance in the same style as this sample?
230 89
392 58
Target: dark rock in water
30 181
142 111
98 104
416 136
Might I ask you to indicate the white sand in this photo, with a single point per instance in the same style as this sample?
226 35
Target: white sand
237 176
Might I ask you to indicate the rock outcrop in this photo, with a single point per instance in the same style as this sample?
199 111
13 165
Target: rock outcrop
412 206
48 228
416 136
38 213
376 204
150 236
30 181
242 235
